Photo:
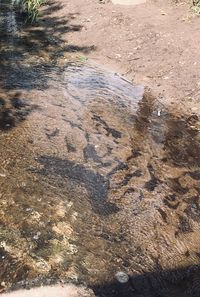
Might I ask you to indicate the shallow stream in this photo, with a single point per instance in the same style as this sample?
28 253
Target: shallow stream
97 177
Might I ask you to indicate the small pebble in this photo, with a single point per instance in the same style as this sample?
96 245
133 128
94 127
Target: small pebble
122 277
2 175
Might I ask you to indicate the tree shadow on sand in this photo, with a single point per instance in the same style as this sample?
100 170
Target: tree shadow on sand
30 55
181 282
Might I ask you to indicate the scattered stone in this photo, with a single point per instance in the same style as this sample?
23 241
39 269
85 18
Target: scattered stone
122 277
2 175
36 237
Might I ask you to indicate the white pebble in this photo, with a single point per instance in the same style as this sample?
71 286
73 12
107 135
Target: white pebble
122 277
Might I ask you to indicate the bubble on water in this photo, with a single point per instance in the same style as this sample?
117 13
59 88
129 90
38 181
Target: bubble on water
122 277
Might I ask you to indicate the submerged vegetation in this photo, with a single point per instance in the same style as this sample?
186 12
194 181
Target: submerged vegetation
30 8
196 6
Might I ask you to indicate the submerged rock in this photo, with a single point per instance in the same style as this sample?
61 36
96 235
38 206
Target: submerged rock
122 277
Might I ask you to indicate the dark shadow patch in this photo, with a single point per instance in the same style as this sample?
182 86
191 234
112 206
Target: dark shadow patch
144 113
181 143
18 103
114 289
11 268
2 102
178 136
195 175
14 111
7 119
113 132
96 185
184 225
134 154
129 191
171 202
72 124
175 185
183 282
70 146
89 152
153 182
110 131
121 166
53 134
128 177
163 214
193 208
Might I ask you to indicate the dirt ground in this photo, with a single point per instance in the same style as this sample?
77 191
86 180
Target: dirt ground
155 44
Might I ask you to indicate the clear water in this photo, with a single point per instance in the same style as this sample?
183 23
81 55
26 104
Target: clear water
98 179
